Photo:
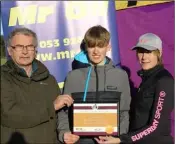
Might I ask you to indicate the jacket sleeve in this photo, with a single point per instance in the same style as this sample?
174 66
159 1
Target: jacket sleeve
18 115
125 104
162 108
63 121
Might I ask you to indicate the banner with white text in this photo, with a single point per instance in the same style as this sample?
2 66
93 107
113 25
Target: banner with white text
60 26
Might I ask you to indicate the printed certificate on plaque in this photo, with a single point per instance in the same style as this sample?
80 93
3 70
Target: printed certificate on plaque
94 119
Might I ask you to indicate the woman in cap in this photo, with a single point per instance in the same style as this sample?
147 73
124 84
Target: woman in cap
151 107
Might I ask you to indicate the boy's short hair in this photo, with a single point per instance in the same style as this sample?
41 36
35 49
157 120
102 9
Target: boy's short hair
97 36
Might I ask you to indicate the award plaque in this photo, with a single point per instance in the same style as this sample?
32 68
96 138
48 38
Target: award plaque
94 119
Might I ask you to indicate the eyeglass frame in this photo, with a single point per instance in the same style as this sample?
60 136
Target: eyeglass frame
23 46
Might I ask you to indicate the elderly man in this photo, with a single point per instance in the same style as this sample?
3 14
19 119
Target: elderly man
30 95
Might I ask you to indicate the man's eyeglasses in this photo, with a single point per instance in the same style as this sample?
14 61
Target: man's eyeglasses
21 47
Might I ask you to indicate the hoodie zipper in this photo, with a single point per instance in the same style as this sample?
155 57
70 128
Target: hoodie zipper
87 84
97 83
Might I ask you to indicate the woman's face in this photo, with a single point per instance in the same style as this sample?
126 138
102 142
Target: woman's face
147 59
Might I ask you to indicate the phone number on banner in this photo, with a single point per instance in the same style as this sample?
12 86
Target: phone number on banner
56 42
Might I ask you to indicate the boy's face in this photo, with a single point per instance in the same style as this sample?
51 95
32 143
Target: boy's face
97 54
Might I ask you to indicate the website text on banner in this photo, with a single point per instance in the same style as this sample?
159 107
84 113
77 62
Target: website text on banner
60 26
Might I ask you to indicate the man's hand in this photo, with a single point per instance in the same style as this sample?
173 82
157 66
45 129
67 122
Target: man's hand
70 138
107 140
62 100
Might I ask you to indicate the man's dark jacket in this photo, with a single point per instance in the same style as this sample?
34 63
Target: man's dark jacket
27 110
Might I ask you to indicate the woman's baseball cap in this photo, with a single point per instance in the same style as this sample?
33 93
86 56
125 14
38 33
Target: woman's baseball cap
149 41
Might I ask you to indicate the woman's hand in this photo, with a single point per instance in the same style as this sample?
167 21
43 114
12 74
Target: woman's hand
107 140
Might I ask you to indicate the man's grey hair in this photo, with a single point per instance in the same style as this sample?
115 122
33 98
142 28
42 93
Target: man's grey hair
24 31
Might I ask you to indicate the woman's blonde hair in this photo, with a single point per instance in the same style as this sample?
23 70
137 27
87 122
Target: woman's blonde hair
159 56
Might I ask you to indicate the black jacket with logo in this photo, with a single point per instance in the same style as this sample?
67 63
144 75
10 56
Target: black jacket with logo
151 108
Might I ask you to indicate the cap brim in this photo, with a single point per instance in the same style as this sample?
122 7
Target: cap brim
144 47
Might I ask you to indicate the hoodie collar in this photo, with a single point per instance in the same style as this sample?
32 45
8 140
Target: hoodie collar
81 61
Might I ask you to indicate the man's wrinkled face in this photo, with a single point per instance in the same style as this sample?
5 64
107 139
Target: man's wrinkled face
22 50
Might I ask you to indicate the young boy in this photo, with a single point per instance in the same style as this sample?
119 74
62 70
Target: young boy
96 72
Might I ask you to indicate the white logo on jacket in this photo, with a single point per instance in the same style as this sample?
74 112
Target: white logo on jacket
42 83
